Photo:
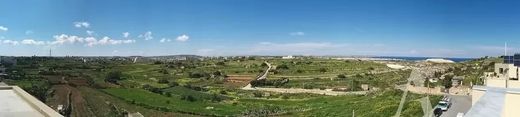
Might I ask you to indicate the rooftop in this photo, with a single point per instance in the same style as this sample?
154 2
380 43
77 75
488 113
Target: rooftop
15 102
491 104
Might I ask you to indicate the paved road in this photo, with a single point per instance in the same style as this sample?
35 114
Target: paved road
460 104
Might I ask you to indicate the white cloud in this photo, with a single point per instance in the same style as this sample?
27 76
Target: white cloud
81 24
126 34
90 33
106 41
2 28
88 41
32 42
28 32
297 33
183 38
9 42
63 38
165 40
146 35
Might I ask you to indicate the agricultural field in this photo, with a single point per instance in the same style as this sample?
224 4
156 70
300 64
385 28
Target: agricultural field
213 87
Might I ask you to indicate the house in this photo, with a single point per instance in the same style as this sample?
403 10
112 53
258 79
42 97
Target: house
500 94
288 57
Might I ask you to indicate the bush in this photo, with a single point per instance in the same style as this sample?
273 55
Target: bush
163 81
157 62
323 70
173 84
113 77
257 94
285 97
221 63
308 86
163 71
188 98
198 74
342 76
283 66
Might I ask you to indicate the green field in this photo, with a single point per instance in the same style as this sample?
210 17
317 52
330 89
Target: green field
110 87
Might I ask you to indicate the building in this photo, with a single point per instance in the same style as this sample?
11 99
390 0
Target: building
500 94
288 57
15 102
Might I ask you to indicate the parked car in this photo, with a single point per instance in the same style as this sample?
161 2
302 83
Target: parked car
444 104
437 112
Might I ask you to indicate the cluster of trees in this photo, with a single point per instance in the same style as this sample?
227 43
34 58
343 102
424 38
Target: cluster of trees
265 82
264 111
198 74
113 77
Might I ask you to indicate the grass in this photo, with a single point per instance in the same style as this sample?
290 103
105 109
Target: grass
384 103
236 102
149 99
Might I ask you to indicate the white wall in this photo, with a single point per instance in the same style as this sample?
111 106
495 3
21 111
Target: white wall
496 83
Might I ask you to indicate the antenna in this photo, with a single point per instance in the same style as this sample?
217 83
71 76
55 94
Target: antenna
50 52
505 49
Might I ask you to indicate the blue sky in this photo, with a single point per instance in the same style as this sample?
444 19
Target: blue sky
441 28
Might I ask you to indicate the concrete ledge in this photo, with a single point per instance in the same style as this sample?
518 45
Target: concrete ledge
32 101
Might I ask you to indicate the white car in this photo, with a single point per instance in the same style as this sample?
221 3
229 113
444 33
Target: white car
444 104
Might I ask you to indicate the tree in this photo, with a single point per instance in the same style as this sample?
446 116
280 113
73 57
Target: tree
283 66
257 94
198 74
342 76
173 84
263 65
217 73
447 81
163 81
188 98
221 63
113 77
323 70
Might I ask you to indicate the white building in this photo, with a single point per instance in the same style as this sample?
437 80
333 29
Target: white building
500 95
288 57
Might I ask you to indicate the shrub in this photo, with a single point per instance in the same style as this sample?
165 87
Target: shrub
113 77
323 70
342 76
163 81
198 74
173 84
188 98
257 94
221 63
283 66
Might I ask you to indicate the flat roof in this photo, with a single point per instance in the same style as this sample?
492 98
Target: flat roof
491 103
15 102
